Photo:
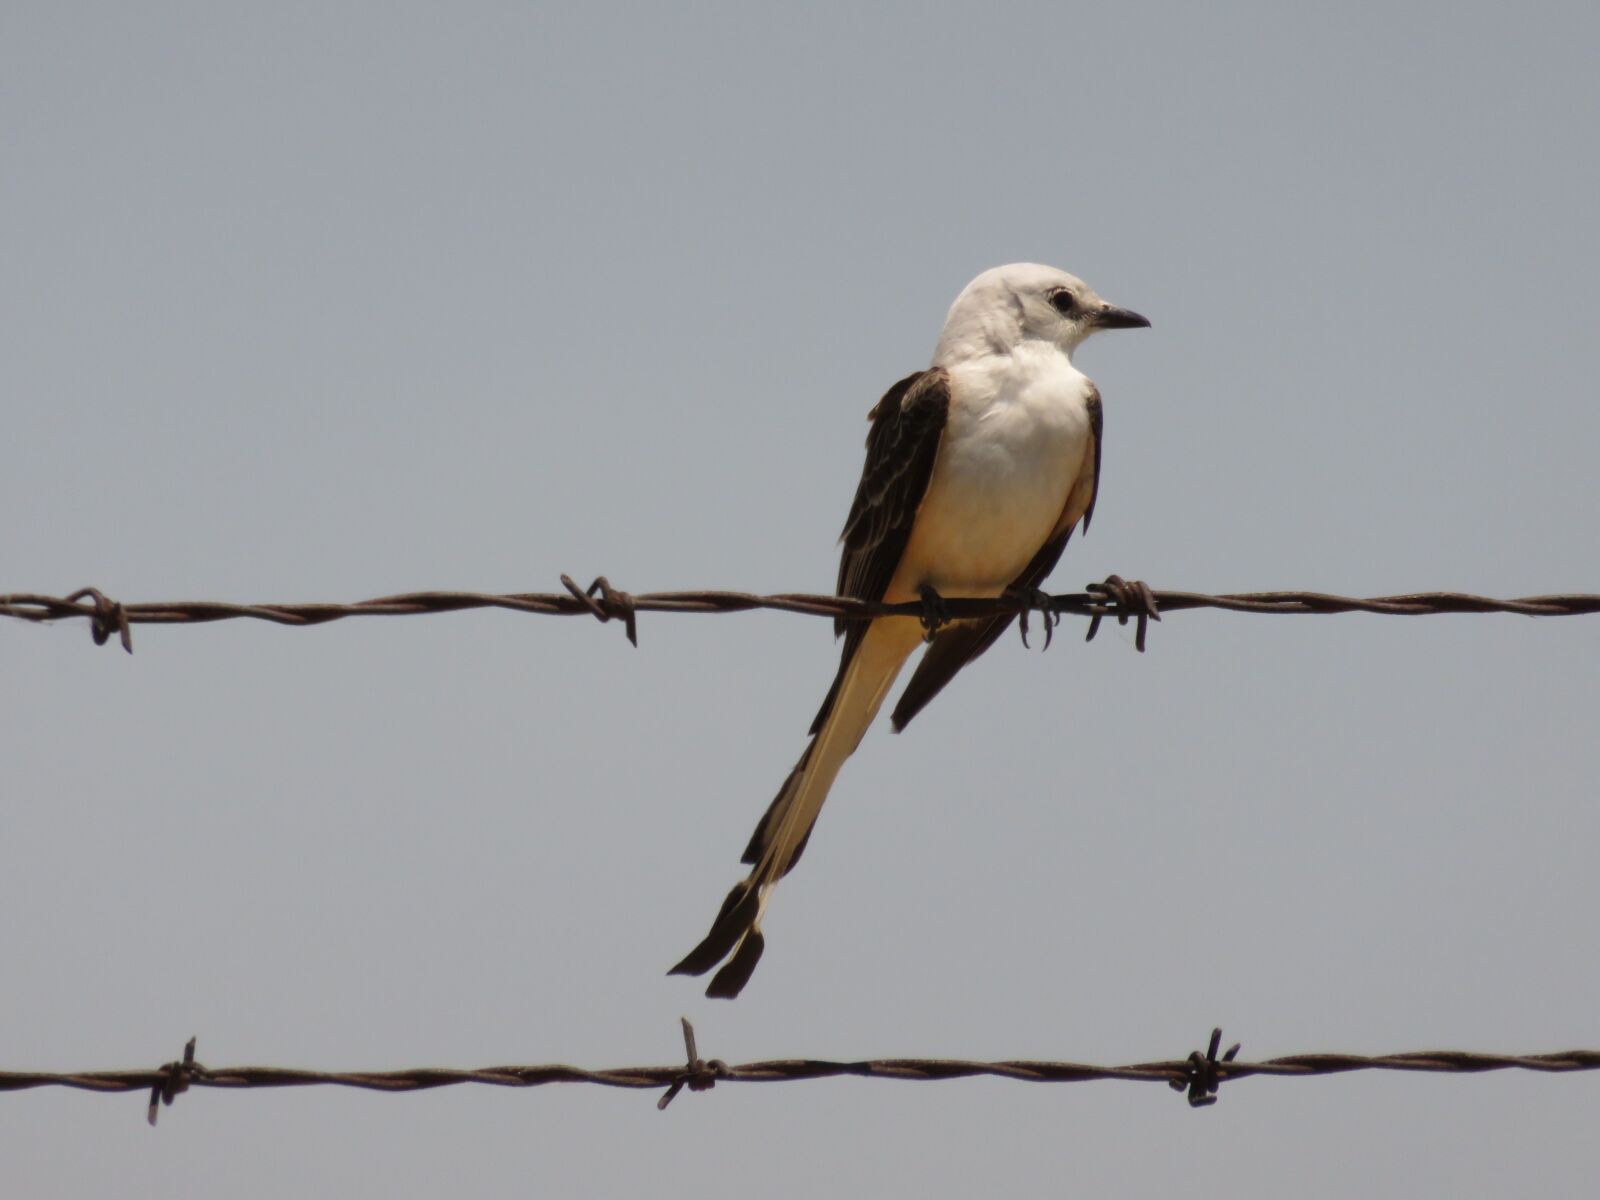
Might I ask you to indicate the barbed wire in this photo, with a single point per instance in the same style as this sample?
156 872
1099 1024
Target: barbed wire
1116 597
1199 1076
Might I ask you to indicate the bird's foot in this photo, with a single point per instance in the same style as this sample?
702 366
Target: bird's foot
1039 601
1124 599
935 612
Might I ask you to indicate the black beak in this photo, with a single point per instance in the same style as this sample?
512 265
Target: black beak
1112 317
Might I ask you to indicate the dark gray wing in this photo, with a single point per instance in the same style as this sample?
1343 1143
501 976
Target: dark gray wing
957 644
907 425
901 447
1097 428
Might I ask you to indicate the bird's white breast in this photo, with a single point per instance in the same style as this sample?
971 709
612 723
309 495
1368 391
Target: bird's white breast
1015 440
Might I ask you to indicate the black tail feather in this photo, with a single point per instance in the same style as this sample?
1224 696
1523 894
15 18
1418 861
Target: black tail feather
737 915
767 825
729 982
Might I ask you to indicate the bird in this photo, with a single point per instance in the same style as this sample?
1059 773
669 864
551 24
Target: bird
978 469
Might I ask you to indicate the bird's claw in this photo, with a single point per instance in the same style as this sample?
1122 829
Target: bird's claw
1123 599
935 612
1035 600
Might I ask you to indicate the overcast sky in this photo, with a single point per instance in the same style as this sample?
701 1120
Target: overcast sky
304 301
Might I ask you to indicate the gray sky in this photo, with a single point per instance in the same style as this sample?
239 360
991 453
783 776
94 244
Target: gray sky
312 303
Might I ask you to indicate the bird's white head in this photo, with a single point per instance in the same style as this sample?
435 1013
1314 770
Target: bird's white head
1006 306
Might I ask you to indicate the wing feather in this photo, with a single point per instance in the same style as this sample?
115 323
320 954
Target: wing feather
959 643
907 425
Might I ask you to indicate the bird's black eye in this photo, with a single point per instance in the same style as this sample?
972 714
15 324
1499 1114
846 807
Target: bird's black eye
1063 302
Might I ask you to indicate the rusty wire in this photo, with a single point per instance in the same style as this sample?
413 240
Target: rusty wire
1115 598
1198 1076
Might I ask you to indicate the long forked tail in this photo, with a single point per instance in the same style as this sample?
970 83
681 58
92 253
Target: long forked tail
785 828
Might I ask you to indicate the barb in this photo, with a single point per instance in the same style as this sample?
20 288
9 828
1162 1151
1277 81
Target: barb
173 1080
1199 1075
605 602
1116 598
697 1075
1133 601
1206 1072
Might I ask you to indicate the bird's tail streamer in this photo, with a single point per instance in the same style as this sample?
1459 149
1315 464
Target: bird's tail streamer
786 827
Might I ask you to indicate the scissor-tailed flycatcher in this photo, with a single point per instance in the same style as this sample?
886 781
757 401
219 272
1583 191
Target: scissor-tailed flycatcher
978 470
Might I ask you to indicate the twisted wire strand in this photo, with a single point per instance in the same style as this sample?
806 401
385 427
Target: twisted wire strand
108 617
1201 1074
